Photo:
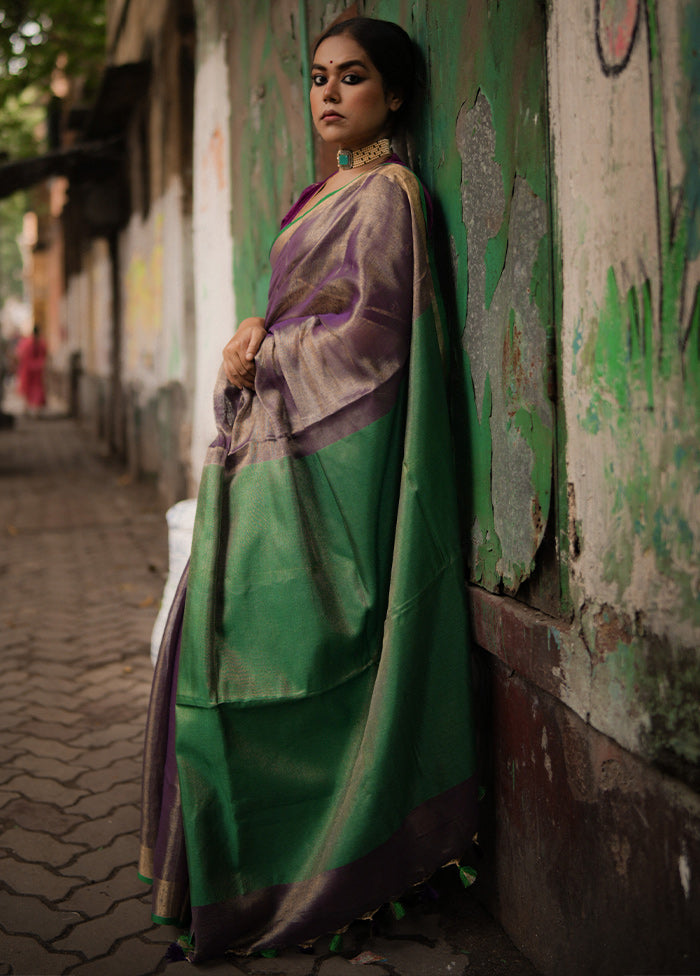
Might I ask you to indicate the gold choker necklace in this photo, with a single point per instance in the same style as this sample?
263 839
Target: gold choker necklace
350 158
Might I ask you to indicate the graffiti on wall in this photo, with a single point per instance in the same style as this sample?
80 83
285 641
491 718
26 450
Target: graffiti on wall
676 319
143 283
616 25
641 352
636 361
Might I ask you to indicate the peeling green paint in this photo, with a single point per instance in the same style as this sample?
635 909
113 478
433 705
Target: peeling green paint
486 546
268 127
653 682
502 57
690 134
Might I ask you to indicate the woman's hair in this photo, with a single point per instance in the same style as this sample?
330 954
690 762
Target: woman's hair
391 51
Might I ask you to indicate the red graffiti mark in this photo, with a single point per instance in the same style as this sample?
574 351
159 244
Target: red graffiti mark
616 30
215 155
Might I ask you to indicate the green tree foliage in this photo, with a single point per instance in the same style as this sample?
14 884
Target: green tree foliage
40 41
35 39
11 213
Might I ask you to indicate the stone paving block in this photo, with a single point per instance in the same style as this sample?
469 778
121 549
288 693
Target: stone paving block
48 767
6 796
57 669
28 957
99 864
34 879
99 804
97 936
28 915
340 966
96 693
12 703
107 675
408 957
66 685
45 790
52 714
96 899
104 736
10 668
39 847
39 816
51 748
47 730
101 714
131 958
10 720
289 963
119 749
12 641
49 699
220 967
98 780
98 833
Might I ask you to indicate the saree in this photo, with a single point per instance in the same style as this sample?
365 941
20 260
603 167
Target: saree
309 751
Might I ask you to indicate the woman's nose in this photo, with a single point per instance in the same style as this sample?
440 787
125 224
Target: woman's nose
330 92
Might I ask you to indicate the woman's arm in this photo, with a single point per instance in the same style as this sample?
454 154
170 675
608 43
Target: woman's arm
239 352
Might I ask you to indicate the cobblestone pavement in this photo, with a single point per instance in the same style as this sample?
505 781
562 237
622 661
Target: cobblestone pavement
82 565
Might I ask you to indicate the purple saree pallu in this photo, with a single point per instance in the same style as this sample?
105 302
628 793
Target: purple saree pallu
309 750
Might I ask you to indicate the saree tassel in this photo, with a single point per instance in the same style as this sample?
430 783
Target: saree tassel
398 910
175 952
269 953
467 875
336 945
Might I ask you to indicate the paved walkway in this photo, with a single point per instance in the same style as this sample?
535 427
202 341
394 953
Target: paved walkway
83 558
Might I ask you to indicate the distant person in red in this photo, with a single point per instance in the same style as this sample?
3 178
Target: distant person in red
31 359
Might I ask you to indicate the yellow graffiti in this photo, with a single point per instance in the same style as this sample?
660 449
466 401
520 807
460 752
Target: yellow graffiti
143 309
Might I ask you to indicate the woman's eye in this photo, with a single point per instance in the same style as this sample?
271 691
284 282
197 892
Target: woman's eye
318 80
352 79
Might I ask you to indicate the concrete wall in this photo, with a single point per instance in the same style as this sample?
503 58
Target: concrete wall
624 92
212 235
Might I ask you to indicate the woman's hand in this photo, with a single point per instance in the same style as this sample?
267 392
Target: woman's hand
239 352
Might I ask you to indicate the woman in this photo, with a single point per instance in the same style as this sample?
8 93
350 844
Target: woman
31 360
309 752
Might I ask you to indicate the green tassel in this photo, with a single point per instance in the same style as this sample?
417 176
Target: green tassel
269 953
336 942
467 876
398 910
186 941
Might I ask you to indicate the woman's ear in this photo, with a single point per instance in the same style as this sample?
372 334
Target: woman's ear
394 102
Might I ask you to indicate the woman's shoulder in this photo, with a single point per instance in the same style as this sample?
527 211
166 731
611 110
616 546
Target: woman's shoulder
401 180
302 199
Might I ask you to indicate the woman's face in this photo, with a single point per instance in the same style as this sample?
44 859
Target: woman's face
348 102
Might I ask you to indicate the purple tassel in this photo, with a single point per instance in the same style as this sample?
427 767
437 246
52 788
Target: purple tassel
175 952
